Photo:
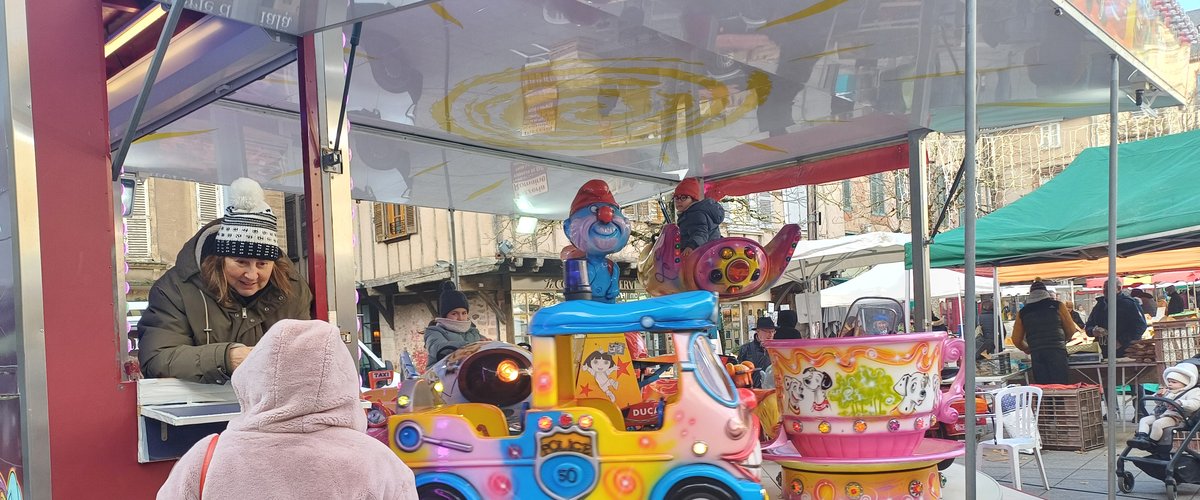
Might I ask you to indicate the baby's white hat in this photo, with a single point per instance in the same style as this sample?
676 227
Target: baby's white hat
1184 373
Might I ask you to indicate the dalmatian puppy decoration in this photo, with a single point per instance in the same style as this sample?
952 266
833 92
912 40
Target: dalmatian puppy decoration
816 384
793 388
913 388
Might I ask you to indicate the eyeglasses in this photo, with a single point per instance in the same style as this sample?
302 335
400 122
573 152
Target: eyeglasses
682 197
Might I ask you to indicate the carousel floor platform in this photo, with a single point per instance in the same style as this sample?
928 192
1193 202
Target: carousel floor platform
987 488
1072 475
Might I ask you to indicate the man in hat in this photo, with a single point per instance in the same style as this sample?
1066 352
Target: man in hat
754 351
1131 324
597 228
1176 304
700 218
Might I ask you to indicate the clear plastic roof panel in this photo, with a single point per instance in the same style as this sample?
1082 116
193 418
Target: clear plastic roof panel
666 85
202 63
295 17
262 144
673 87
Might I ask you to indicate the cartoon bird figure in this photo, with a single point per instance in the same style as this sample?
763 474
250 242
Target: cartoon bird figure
734 267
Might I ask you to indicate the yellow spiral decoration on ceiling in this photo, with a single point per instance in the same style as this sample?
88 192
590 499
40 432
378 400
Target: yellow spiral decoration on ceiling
596 104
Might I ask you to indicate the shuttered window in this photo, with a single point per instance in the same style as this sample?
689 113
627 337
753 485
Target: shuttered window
646 211
878 202
210 203
766 209
137 225
394 222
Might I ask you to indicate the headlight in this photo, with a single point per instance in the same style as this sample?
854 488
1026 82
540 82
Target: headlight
508 370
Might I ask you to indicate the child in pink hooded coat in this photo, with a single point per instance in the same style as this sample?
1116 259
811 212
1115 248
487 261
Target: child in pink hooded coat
301 433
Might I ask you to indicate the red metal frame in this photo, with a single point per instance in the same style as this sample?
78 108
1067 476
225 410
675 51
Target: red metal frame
314 199
92 413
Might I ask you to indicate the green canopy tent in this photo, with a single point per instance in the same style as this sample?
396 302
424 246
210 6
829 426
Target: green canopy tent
1158 208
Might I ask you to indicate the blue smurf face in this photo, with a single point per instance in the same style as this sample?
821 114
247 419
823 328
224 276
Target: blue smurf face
598 229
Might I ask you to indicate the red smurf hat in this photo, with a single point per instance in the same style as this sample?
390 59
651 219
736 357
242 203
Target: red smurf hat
689 187
594 191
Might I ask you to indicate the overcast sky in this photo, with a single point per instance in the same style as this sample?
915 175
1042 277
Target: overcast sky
1189 4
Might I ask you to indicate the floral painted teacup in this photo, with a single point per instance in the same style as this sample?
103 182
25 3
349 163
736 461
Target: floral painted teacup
863 397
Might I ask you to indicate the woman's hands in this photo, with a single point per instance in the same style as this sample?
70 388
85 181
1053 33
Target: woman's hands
237 354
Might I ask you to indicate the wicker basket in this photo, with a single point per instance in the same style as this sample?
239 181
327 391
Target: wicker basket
1070 419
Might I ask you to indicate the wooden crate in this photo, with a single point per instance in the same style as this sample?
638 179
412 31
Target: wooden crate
1178 442
1175 341
1070 419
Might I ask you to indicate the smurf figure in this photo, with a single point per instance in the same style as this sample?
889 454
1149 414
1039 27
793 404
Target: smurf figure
597 228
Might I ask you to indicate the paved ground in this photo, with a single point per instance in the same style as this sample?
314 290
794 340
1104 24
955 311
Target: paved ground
1078 475
1072 475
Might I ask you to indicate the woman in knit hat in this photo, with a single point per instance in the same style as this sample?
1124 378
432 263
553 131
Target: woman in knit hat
230 283
452 328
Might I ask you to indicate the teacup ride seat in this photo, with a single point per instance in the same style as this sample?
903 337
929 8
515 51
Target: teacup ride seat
734 267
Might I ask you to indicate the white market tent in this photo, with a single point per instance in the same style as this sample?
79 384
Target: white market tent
814 257
892 280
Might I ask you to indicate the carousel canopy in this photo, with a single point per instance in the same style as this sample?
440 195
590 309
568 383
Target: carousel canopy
509 106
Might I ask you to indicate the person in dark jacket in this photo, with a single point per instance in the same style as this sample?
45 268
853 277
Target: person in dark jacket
452 328
700 218
1131 323
230 283
1041 330
754 351
985 342
787 326
1176 303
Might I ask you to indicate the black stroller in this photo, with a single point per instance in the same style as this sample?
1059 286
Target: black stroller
1173 465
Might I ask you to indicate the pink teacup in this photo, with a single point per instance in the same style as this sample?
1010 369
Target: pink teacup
864 397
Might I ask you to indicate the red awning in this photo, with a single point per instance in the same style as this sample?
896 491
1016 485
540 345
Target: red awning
802 173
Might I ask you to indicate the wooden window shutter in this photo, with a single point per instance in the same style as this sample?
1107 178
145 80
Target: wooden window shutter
394 221
137 226
380 226
410 220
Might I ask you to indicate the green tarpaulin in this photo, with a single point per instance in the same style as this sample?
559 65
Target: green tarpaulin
1158 208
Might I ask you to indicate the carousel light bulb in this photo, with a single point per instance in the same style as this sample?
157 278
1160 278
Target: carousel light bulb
699 448
585 422
508 371
545 423
402 401
438 387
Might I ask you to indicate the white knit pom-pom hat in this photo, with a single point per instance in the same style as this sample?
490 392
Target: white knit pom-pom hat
250 228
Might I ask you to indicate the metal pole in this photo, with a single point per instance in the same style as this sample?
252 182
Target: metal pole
969 133
908 324
1111 289
453 250
997 321
919 217
160 52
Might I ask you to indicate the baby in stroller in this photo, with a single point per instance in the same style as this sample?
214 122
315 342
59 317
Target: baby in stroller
1180 386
